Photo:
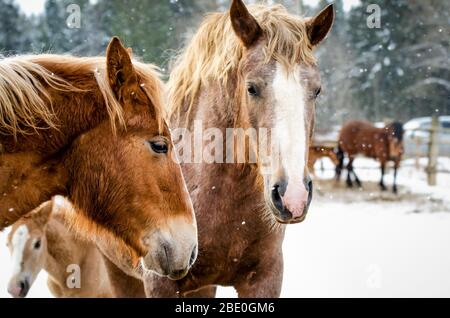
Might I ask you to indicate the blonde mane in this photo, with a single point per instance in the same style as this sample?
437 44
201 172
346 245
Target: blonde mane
215 51
26 103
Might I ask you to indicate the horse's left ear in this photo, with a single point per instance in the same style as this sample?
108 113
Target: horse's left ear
119 67
244 24
319 26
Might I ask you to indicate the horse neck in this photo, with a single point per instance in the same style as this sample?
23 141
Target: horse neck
382 140
122 285
63 249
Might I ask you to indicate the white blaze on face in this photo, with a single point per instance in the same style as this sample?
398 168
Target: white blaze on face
290 132
18 242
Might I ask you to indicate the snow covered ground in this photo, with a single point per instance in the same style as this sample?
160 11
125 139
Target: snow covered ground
358 242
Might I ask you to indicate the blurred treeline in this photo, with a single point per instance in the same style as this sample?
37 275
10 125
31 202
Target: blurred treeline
398 71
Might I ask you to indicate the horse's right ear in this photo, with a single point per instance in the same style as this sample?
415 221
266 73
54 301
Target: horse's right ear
41 215
119 66
244 24
319 26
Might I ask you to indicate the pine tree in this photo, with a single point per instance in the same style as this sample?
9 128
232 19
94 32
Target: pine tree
335 60
395 75
13 36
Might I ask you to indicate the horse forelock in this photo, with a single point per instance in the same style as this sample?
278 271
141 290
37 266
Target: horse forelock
215 52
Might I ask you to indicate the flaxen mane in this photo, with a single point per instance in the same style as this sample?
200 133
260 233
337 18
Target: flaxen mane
215 51
25 100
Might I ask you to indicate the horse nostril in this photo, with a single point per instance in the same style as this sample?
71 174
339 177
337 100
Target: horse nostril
309 185
22 286
276 198
193 256
309 188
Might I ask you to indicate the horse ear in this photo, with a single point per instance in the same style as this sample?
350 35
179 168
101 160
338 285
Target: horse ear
244 24
41 215
119 67
319 26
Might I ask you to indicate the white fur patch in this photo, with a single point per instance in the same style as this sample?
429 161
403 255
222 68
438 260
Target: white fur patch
290 129
19 240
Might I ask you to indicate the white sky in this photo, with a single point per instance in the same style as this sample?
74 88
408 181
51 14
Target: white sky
37 6
31 6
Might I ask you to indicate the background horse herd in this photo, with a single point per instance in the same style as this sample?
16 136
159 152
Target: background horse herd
87 177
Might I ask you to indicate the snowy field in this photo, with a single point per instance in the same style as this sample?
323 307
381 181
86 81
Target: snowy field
358 242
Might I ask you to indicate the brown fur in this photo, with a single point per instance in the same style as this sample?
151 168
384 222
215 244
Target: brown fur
240 240
98 153
317 152
361 137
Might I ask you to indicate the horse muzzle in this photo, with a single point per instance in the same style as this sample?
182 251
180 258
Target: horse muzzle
290 203
19 288
172 251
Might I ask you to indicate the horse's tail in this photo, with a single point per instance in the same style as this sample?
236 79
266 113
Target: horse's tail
340 165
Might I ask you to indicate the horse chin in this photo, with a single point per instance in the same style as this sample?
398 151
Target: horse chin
160 272
146 269
292 221
286 219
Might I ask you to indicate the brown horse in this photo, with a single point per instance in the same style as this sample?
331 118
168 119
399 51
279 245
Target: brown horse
91 129
383 144
247 68
317 152
41 241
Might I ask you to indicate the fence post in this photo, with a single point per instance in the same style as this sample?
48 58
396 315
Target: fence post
417 143
433 151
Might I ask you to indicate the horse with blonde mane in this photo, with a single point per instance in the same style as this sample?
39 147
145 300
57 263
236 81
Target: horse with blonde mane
247 68
92 130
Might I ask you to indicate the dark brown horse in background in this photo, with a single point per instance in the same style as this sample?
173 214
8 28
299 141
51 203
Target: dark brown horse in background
92 130
383 144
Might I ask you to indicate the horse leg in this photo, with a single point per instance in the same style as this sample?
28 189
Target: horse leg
358 182
205 292
349 171
262 282
382 186
394 186
340 165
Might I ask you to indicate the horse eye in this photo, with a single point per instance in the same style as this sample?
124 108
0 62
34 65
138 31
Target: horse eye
37 245
317 92
159 146
252 90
